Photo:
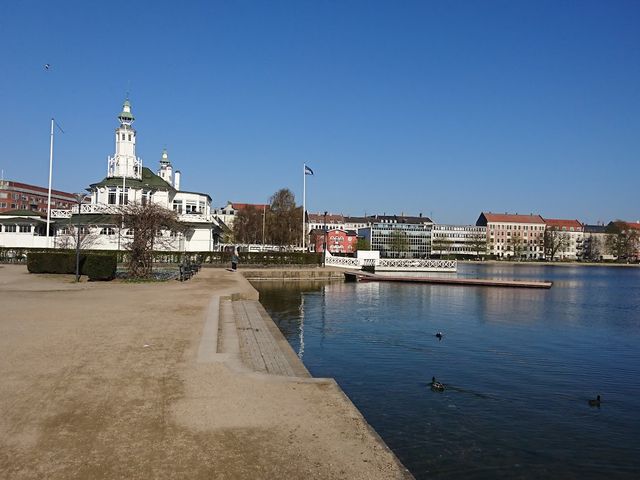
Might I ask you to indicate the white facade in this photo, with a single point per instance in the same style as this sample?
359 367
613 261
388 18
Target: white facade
459 240
127 182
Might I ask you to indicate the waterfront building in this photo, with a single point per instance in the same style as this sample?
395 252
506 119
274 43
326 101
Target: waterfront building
399 236
129 182
356 223
22 196
627 241
461 241
228 213
319 221
513 235
595 245
564 239
337 240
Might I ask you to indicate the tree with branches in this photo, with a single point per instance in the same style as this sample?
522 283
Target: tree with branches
399 243
554 241
149 224
478 243
283 219
247 225
67 237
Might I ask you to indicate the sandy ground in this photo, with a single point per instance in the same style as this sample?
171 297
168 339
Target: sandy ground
104 380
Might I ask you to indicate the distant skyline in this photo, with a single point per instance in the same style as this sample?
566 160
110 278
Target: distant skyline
441 108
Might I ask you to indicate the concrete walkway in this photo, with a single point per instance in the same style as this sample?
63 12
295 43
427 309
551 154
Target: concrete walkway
169 380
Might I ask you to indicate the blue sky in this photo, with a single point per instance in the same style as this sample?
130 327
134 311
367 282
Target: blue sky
440 108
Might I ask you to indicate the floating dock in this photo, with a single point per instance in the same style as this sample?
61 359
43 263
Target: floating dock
356 276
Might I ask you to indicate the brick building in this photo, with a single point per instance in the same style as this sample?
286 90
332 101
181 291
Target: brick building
22 196
338 240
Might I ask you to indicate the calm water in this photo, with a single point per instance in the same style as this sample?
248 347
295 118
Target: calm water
519 365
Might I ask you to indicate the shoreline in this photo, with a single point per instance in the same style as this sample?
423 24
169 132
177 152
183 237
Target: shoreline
548 264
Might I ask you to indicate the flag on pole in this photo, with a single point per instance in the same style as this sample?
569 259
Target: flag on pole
307 171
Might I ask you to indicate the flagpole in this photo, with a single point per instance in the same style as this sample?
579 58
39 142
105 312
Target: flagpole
49 193
304 205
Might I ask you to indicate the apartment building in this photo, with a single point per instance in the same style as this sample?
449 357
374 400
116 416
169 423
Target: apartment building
513 235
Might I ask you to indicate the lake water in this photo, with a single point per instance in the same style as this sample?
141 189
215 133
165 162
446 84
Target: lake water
519 366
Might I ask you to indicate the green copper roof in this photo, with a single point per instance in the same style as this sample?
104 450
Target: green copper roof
126 111
90 219
21 213
149 180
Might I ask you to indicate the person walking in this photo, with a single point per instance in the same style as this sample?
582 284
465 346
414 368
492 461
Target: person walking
234 260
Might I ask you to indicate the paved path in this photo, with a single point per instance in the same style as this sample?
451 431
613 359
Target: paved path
139 381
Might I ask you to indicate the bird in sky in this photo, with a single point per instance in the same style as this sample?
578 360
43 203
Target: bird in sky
47 66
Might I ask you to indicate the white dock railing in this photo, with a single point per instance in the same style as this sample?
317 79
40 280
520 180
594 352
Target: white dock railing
393 264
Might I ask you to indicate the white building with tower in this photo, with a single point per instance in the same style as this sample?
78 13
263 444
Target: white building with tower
129 181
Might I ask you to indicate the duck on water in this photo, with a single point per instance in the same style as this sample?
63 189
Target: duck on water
436 386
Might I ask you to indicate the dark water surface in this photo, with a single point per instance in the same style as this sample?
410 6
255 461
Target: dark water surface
519 366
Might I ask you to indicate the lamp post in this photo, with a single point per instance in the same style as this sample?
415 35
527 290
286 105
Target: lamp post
324 241
79 198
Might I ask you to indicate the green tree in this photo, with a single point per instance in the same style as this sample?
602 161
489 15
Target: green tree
399 243
363 244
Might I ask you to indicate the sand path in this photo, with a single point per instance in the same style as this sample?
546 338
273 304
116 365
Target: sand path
119 380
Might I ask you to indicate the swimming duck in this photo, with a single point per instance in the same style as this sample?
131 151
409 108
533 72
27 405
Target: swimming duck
595 403
439 335
436 386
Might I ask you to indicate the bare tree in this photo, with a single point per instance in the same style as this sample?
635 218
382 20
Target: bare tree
517 244
554 241
68 237
148 223
247 225
283 219
478 243
440 245
622 241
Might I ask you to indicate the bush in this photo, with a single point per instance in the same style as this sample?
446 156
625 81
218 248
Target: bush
52 262
100 267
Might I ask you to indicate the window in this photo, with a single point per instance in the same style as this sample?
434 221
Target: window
107 231
177 206
129 137
112 196
9 228
123 136
25 228
124 199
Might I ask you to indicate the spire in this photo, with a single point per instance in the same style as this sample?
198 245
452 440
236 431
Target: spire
165 158
126 117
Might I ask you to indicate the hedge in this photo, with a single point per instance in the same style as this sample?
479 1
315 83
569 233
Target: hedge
212 258
95 266
100 267
52 262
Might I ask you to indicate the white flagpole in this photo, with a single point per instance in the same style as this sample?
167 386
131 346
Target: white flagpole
49 194
304 205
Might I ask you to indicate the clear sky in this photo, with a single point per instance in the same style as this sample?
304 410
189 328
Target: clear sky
441 108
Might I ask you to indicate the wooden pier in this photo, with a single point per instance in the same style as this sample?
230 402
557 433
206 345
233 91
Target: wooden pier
357 276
